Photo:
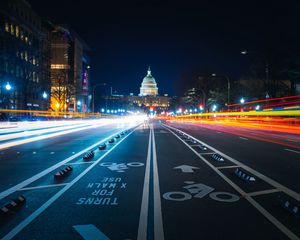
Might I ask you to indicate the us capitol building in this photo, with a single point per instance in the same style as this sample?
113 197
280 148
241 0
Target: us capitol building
148 97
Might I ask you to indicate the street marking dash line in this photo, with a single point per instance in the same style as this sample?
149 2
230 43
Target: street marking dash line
224 167
263 192
43 186
290 150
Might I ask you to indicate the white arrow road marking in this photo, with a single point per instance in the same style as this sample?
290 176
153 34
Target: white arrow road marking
186 168
90 232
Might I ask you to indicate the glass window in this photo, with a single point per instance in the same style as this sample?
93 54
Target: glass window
17 31
6 27
12 29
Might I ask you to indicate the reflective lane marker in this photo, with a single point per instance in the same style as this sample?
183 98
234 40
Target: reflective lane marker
290 150
52 152
158 223
43 186
143 221
41 209
33 152
50 169
90 232
263 192
243 138
255 204
224 167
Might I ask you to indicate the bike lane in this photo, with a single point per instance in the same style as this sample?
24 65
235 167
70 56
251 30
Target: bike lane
197 203
104 204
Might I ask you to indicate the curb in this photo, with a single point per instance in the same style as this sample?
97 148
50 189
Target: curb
244 176
217 157
63 172
89 155
12 205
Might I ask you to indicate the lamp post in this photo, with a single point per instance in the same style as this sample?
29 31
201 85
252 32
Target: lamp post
266 63
228 87
93 94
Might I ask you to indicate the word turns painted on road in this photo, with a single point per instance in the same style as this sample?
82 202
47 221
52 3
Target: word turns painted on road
200 190
121 167
103 192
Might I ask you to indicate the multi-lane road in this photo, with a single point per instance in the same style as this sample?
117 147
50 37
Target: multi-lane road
151 180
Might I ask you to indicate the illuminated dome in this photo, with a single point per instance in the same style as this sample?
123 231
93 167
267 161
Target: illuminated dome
149 86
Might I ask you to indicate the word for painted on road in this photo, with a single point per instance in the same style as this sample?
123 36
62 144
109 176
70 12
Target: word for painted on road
103 193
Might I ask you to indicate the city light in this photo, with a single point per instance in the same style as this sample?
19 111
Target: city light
257 107
102 110
78 103
242 101
214 108
45 95
8 86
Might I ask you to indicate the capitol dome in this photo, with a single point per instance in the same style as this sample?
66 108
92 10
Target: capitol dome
149 86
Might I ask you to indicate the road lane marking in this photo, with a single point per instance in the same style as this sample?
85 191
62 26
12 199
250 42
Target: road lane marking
263 192
272 182
78 163
208 153
90 232
224 167
43 186
41 209
263 211
52 168
158 223
186 168
243 138
290 150
218 132
143 221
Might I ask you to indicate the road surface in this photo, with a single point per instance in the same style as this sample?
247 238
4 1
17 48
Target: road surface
154 181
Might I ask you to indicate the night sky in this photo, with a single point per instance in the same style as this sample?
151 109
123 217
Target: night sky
173 37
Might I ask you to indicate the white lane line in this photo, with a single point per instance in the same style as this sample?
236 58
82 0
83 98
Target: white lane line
78 163
43 186
263 211
243 138
50 169
218 132
41 209
263 192
90 232
272 182
143 221
290 150
208 153
158 222
224 167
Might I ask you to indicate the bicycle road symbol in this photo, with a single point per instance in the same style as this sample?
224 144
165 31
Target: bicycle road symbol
200 190
121 167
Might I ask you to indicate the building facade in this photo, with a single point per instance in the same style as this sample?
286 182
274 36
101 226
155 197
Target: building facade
149 85
24 57
70 71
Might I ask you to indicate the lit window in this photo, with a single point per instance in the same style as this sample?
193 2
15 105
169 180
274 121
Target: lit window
12 29
33 76
26 39
6 27
22 55
17 31
21 35
37 78
33 60
26 56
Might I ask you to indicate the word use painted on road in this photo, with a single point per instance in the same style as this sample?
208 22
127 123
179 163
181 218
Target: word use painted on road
102 193
199 190
121 167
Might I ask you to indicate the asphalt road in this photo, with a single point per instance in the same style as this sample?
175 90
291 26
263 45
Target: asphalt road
155 181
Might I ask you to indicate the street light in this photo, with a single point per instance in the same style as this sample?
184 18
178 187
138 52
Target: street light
93 95
244 52
8 87
228 87
45 95
242 101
